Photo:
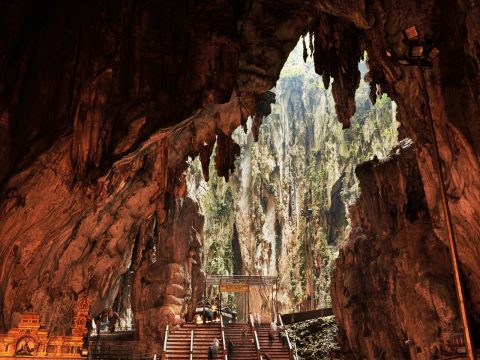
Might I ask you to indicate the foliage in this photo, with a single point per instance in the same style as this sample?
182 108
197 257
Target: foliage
315 339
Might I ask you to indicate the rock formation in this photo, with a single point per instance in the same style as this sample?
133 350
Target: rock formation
101 104
392 280
168 277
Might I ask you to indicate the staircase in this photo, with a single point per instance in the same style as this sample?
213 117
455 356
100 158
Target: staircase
241 351
276 351
178 343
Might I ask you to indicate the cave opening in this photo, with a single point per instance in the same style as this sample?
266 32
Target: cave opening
284 210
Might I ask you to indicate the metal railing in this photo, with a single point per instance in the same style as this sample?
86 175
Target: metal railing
255 337
191 345
165 341
222 328
293 354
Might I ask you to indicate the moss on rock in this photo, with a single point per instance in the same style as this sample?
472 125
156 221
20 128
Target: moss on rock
315 339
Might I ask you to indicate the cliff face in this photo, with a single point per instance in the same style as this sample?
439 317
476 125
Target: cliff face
391 281
285 202
101 104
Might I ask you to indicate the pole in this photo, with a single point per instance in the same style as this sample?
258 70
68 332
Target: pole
248 297
272 313
276 298
470 346
220 296
204 297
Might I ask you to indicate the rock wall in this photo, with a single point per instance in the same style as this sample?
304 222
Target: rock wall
392 281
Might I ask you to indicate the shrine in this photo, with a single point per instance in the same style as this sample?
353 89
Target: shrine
31 340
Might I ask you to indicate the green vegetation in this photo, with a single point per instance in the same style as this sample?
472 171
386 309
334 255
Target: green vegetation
315 339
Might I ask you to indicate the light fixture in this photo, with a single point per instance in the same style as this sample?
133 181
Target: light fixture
198 320
410 33
417 51
420 53
433 53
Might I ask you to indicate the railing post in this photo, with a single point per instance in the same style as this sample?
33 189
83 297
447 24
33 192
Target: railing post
191 345
257 344
222 328
255 337
204 299
289 344
165 340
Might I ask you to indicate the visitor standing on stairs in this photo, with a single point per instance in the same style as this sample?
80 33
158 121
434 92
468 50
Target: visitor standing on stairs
258 320
272 333
271 336
282 335
213 349
244 334
230 347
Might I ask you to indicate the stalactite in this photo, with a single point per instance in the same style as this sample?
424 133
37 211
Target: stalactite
226 152
337 54
305 51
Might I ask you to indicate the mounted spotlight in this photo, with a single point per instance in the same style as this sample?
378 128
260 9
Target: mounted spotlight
433 53
410 33
421 53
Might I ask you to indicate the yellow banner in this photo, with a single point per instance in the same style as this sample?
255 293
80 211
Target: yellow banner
241 287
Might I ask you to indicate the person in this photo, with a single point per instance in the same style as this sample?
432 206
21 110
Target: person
258 319
271 337
230 347
86 337
283 336
273 326
244 334
208 315
213 349
98 324
112 319
266 356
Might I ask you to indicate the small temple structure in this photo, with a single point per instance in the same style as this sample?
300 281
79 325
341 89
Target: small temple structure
30 340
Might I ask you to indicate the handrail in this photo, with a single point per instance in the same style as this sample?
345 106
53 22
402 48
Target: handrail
191 345
222 328
255 337
289 344
164 351
257 344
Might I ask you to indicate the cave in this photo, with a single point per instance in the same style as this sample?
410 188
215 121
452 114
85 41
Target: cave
123 95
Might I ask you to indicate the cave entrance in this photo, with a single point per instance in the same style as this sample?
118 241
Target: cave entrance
283 212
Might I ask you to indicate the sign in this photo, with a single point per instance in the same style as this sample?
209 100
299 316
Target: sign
240 287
